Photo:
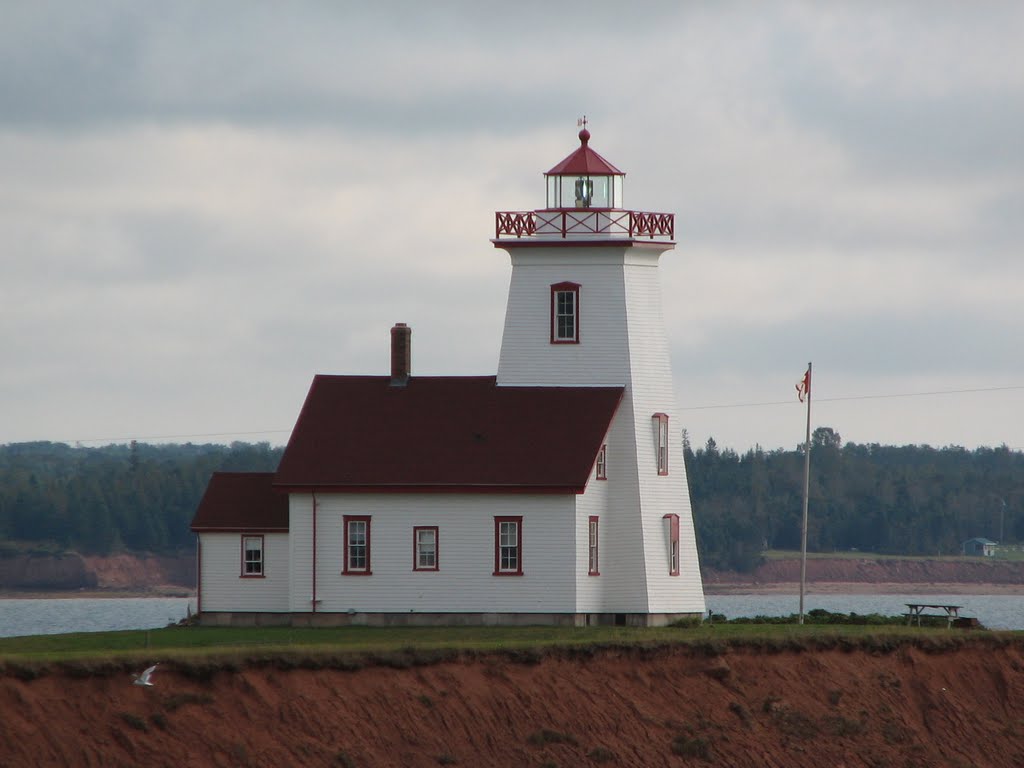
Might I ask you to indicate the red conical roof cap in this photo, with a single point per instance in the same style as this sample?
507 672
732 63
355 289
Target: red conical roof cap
584 162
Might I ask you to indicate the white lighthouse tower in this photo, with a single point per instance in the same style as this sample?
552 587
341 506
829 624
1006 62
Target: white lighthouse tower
584 309
551 493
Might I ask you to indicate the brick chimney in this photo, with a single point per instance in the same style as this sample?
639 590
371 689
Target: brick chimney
401 354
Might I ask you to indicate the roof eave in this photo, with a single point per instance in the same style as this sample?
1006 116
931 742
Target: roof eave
237 529
454 488
532 241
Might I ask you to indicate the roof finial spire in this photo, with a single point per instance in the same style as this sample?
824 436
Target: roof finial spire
584 134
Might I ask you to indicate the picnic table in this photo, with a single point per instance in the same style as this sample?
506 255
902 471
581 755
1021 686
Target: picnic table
917 610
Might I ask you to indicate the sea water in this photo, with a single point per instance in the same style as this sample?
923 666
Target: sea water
47 616
54 616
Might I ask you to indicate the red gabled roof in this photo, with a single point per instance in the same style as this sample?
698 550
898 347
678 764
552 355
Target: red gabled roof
242 501
359 433
584 162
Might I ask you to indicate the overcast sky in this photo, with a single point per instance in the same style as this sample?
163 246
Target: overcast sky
202 205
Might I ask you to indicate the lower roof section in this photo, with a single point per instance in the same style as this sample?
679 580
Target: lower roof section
242 501
445 434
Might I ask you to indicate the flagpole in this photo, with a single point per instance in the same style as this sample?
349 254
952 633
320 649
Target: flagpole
807 484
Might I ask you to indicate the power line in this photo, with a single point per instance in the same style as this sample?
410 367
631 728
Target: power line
976 390
855 397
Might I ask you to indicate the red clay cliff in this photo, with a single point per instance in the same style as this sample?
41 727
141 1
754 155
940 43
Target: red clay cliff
901 706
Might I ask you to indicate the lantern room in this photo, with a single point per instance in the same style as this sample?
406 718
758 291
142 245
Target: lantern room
584 180
584 202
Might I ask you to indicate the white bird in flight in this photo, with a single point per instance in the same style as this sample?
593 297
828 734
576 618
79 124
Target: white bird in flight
144 678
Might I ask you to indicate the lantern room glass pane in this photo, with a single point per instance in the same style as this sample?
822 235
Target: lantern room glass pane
584 191
581 192
602 192
554 199
567 192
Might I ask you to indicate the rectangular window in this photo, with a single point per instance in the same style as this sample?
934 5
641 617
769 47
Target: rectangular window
425 557
672 531
508 546
662 419
565 313
252 556
357 545
602 463
592 569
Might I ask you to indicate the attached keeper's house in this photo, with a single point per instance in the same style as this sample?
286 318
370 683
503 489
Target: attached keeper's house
553 492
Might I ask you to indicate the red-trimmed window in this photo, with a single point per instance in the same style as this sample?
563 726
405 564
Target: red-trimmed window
565 313
357 545
593 568
252 557
508 546
662 425
672 530
425 555
602 463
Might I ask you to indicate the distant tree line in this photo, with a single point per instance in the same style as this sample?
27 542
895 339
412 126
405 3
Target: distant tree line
907 500
899 500
119 497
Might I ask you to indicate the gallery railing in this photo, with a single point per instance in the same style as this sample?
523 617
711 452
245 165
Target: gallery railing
589 223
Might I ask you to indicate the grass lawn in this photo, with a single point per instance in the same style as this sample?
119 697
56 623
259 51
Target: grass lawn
786 554
199 645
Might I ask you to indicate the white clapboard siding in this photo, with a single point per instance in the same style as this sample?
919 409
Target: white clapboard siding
527 355
621 586
622 342
653 392
300 525
222 587
594 501
464 582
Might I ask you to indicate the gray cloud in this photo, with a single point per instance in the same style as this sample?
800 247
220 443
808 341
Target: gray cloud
205 204
448 68
941 343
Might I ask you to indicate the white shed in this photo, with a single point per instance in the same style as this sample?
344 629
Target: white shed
980 547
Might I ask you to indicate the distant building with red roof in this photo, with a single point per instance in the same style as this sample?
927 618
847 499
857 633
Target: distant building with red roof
553 492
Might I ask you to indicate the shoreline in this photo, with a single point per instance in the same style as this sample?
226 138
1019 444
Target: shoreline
714 588
863 588
92 594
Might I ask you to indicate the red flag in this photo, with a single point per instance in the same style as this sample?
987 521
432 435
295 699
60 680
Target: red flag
803 387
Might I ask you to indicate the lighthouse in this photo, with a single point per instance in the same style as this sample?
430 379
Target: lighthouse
584 310
552 492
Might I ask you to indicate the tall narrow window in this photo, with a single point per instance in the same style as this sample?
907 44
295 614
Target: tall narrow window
252 556
602 463
672 534
425 556
565 313
593 568
662 424
508 546
357 545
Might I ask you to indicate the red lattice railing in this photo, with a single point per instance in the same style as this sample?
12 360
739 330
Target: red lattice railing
589 222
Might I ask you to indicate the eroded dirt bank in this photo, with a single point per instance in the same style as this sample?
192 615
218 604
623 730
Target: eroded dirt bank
143 572
903 708
71 572
849 572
